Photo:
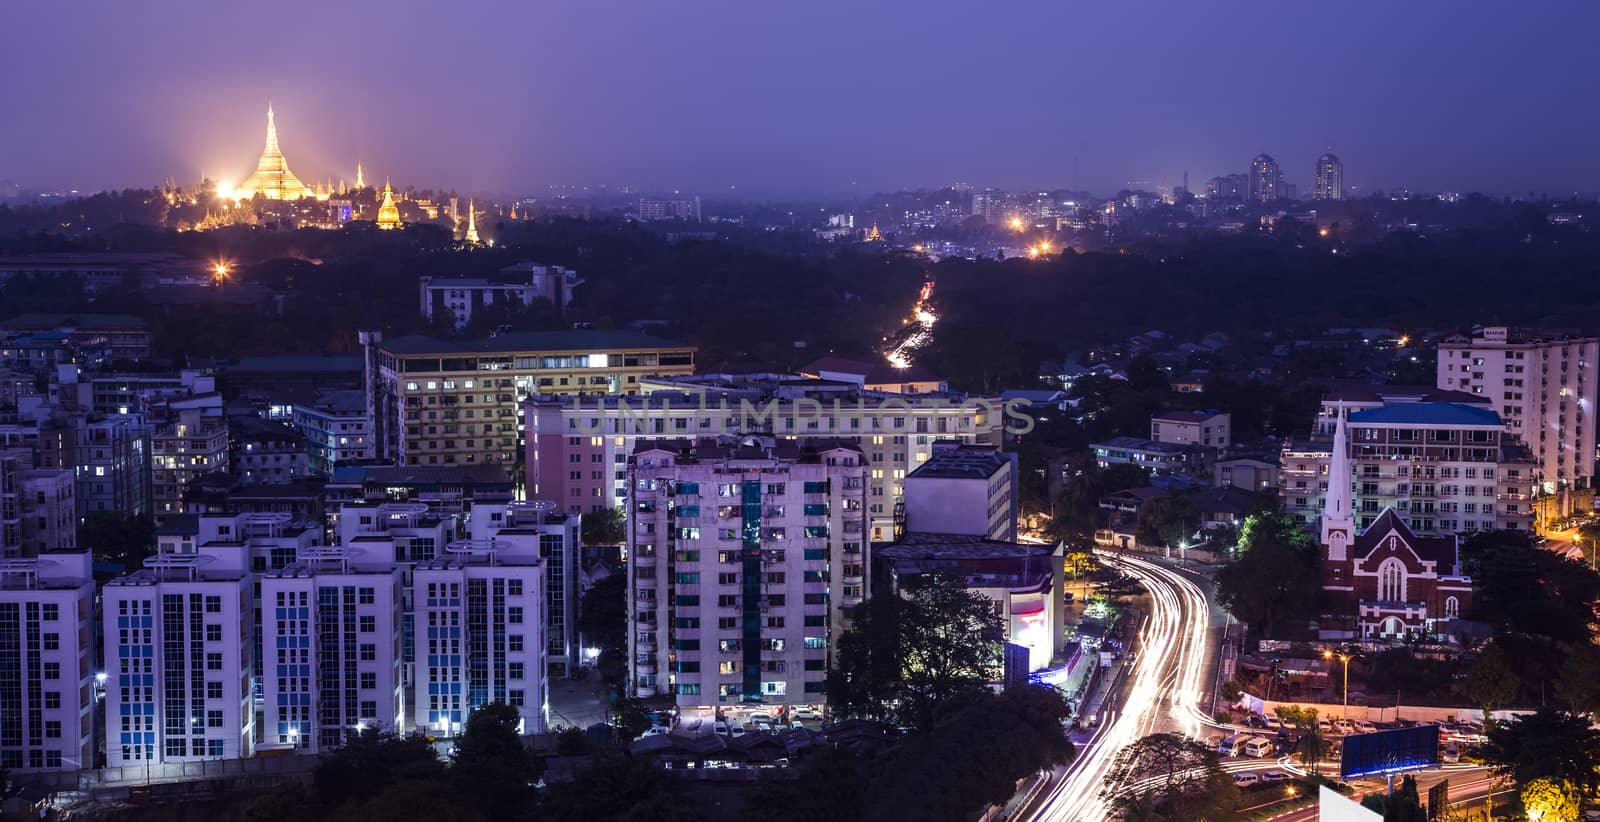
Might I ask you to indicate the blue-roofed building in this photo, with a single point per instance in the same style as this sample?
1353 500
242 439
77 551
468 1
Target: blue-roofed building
1444 467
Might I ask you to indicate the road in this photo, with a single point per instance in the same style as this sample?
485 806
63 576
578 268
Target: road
1466 783
1175 652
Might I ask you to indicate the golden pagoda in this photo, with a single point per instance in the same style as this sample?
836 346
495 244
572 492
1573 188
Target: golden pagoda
874 236
272 178
360 182
388 212
472 225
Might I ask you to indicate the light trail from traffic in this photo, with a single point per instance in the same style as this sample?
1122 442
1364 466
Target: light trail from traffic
924 318
1164 692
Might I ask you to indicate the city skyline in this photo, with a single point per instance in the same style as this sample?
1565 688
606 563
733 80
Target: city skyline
896 96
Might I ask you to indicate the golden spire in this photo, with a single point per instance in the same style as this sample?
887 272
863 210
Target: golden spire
360 183
472 225
513 211
272 178
388 212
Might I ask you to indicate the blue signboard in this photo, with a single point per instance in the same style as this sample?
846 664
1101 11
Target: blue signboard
1385 751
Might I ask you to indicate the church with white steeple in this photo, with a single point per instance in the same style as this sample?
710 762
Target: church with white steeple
1384 582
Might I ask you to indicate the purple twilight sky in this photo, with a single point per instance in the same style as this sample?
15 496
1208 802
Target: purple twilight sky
828 97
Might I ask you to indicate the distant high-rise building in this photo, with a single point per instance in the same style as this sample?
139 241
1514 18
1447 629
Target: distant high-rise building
1329 183
1545 385
673 209
46 663
1264 179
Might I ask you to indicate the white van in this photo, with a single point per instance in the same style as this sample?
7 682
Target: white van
1258 747
1245 778
1232 745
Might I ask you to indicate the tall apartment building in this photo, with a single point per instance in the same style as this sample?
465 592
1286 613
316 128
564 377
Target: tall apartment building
266 452
578 448
187 447
745 559
410 533
113 459
177 639
336 429
964 489
480 637
1543 384
37 508
49 511
330 623
1265 179
1328 181
558 536
444 402
1444 468
47 662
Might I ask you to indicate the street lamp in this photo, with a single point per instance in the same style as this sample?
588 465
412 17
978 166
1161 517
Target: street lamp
1345 658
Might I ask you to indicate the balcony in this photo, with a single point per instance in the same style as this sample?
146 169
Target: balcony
645 691
645 648
645 667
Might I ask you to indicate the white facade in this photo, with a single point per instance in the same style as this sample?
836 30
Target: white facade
1545 387
177 639
46 663
332 665
1192 428
336 430
479 635
558 537
964 490
520 284
743 560
49 511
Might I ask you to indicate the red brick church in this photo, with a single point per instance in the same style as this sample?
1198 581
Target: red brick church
1385 582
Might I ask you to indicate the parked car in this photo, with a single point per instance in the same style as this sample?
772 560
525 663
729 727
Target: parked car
1257 748
1232 745
1363 727
735 728
1343 727
1256 721
654 730
805 715
1274 776
1245 778
720 727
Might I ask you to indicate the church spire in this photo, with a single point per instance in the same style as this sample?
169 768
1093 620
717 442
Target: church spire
1338 520
360 181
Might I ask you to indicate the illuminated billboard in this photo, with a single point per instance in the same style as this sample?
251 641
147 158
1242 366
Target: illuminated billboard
1401 749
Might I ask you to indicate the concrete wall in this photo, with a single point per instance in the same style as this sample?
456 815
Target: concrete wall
1414 713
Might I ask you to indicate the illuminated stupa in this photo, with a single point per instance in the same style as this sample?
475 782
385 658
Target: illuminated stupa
272 178
388 212
472 225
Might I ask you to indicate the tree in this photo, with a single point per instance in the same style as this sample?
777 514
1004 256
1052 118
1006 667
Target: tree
603 622
371 762
1546 800
1404 805
117 537
975 752
491 764
1579 682
865 678
1312 745
1490 683
1549 744
1186 781
607 527
617 788
1167 520
831 787
949 643
1276 577
1524 590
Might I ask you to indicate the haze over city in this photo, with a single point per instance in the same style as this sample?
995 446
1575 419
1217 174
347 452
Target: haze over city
804 99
